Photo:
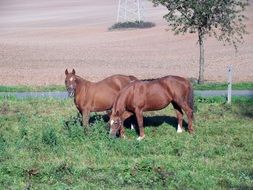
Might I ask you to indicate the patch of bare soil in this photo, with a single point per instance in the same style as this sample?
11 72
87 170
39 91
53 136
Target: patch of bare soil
39 41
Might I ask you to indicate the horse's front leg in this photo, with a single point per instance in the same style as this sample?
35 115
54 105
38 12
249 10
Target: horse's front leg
125 115
139 116
86 117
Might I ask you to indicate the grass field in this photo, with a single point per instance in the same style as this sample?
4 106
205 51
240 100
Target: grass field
50 88
43 146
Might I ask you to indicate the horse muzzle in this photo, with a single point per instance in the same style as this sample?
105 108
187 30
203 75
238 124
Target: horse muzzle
71 92
112 133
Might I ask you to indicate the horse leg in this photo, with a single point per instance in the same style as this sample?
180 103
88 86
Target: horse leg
179 117
86 117
125 115
109 113
139 116
189 113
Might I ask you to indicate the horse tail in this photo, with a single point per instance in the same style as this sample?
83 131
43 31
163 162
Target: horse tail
191 97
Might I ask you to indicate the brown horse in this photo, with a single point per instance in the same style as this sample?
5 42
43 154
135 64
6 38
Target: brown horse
149 95
94 96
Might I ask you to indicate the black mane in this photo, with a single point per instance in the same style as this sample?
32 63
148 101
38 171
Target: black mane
148 79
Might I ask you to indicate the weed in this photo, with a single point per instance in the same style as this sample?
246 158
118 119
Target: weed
49 137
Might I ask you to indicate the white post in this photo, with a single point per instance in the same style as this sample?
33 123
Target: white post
229 83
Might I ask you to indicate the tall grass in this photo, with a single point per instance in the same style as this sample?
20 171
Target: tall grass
43 146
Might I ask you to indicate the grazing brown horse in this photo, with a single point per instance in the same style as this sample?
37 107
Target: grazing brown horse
149 95
94 96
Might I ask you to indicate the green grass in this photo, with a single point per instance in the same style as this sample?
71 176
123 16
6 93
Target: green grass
43 146
224 86
51 88
23 88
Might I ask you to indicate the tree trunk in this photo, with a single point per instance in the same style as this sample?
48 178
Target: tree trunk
201 57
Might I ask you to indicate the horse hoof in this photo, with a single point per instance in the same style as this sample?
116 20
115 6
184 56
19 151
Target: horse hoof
140 138
179 130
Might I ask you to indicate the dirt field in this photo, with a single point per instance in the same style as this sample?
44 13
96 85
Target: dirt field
40 39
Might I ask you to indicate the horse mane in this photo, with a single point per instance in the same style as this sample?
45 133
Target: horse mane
149 79
80 78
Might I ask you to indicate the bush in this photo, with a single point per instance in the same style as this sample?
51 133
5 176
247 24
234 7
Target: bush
136 24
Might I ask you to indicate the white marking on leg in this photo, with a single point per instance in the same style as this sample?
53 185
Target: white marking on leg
179 129
110 130
140 138
111 122
132 127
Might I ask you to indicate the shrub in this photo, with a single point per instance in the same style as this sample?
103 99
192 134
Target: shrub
135 24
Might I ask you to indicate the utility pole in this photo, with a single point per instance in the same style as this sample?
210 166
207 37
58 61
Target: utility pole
130 10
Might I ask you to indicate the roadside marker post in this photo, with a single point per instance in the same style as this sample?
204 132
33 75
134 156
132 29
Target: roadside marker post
229 83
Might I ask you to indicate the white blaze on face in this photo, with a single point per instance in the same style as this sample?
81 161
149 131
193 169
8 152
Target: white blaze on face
112 122
71 79
179 129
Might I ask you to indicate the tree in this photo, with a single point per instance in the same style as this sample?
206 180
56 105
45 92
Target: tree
222 19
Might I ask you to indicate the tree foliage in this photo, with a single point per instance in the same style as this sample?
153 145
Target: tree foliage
223 19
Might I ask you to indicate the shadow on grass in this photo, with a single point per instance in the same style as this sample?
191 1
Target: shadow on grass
149 121
246 111
245 108
154 121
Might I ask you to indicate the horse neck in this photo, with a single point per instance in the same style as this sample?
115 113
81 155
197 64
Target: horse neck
80 84
120 103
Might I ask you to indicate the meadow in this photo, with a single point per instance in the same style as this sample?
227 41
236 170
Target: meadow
53 88
43 146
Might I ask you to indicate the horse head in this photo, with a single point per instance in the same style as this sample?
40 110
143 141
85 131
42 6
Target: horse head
70 82
115 123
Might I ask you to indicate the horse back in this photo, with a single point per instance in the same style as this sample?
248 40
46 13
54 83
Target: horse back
99 96
155 94
117 82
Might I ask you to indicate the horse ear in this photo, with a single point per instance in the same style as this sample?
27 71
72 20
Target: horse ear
73 72
66 72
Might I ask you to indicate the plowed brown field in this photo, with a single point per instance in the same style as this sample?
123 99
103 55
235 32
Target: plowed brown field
40 39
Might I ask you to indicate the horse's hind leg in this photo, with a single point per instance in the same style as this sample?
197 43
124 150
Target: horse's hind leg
189 113
139 117
179 117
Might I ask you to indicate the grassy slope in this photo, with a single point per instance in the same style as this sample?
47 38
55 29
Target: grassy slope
206 86
43 146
